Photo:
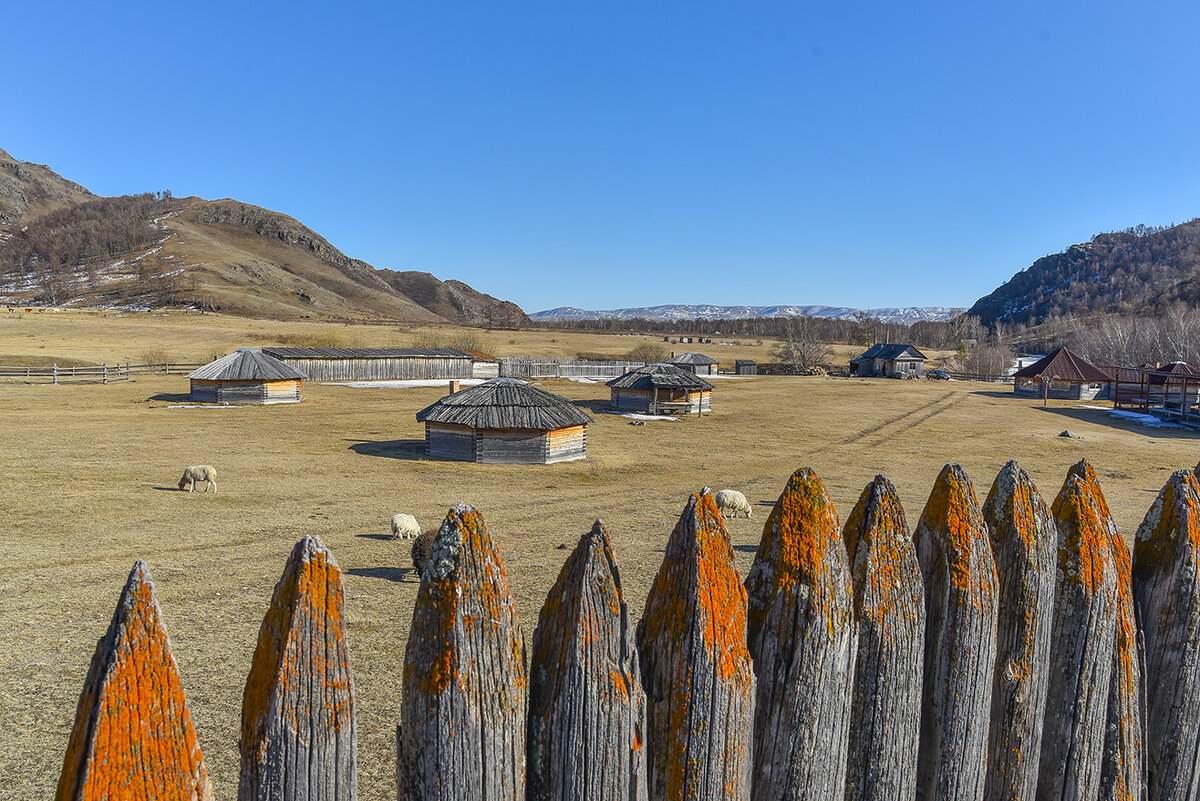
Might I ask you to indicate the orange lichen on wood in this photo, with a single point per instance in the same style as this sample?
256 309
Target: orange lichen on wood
298 726
960 641
462 725
133 737
696 668
1124 744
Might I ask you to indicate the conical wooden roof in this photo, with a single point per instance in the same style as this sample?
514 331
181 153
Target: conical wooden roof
1064 364
246 364
659 375
505 403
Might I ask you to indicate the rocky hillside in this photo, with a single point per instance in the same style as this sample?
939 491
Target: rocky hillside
1137 271
63 245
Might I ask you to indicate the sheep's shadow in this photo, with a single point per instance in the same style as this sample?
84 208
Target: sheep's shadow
167 489
375 536
172 397
409 449
746 548
395 574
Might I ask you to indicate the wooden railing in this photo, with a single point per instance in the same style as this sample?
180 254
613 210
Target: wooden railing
534 367
96 373
1010 650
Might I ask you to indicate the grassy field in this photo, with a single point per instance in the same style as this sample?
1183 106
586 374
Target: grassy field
88 475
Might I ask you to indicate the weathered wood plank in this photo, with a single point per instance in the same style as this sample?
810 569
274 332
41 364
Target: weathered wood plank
695 665
1025 548
462 715
889 602
299 738
133 737
1166 587
960 641
803 642
1084 636
587 709
1123 773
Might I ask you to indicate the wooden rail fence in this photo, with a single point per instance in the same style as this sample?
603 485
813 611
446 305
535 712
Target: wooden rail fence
532 367
1010 651
94 374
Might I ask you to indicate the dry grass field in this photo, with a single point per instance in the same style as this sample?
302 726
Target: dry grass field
88 475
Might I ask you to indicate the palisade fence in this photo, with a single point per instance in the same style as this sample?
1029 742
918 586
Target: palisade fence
534 367
97 373
1003 651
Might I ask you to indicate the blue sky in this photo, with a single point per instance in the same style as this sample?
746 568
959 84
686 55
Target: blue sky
622 154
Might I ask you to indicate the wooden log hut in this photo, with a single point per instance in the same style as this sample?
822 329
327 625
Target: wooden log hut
889 602
505 421
661 389
587 709
133 737
246 376
1166 587
695 363
379 364
1061 374
299 737
462 713
695 665
801 635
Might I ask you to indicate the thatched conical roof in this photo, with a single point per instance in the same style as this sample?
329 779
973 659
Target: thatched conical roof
505 403
246 364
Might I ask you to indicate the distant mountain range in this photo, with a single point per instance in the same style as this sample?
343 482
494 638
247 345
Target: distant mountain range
703 311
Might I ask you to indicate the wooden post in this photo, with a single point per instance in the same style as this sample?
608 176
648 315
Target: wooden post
1083 636
802 638
1166 587
462 713
695 666
54 372
1045 391
889 601
105 373
1123 773
960 641
587 710
299 738
133 737
1025 547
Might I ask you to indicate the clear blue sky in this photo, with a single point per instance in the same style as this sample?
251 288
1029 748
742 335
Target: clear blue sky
619 153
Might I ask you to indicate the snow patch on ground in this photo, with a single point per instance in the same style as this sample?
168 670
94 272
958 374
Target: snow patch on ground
727 377
201 406
1145 419
403 384
577 379
1089 406
637 416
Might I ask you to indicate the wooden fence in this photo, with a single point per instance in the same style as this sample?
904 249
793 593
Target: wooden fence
530 367
1012 650
94 374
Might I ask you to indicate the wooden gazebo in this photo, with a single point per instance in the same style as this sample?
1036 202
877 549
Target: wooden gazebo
661 389
246 376
1061 374
508 421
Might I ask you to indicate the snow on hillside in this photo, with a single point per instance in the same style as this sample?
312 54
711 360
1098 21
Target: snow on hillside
671 312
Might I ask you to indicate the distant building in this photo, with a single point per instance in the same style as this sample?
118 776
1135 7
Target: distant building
695 363
1062 374
889 361
745 367
661 389
383 364
246 376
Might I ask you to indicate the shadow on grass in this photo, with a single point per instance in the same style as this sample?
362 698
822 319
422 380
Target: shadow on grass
172 397
594 406
746 548
396 574
167 489
375 536
1101 417
409 449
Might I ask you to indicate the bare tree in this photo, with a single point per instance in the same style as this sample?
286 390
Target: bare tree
802 347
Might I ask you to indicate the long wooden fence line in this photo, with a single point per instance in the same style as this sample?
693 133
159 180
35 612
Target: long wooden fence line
133 736
960 641
1025 546
1084 637
1166 587
462 713
695 665
587 709
802 639
889 603
299 740
94 373
534 367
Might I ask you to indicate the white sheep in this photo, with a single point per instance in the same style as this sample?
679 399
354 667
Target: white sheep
405 527
199 472
730 502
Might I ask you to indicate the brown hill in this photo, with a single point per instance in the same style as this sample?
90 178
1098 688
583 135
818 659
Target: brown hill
30 190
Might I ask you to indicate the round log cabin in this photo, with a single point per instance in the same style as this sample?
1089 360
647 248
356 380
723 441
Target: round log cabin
661 389
505 421
246 376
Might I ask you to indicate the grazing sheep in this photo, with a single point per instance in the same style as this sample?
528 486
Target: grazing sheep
199 472
405 527
423 549
730 502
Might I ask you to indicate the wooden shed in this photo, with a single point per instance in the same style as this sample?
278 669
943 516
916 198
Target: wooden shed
375 364
745 367
696 363
1062 374
661 389
246 376
886 360
508 421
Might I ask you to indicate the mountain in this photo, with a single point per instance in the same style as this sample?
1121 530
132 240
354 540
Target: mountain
674 312
1136 271
62 245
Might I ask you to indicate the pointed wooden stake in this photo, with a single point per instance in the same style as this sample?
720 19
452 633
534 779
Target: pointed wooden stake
1084 635
462 715
1123 775
889 600
298 728
960 641
587 710
695 666
133 737
1025 546
1166 586
802 638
